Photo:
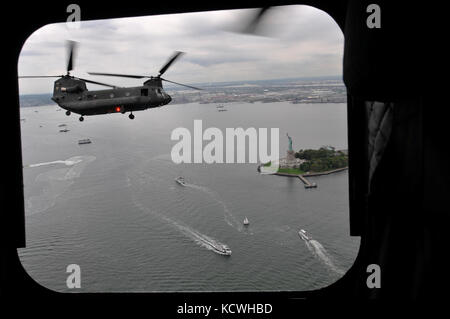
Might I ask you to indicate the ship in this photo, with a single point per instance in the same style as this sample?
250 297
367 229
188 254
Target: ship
246 222
180 180
85 141
221 249
303 235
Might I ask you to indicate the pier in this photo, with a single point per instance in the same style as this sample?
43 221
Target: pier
305 181
301 177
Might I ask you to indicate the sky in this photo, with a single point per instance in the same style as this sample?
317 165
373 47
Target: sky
298 41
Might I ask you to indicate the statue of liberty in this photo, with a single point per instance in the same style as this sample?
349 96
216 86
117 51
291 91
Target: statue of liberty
290 154
290 142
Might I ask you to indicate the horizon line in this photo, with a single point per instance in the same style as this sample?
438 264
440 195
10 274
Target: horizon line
236 81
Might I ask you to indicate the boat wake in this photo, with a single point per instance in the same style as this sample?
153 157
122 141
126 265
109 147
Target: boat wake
196 236
199 238
68 162
229 218
320 252
55 182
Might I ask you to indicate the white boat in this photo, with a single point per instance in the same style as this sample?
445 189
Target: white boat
303 235
221 249
226 250
246 222
180 180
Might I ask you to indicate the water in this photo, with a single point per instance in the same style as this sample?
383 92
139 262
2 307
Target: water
113 207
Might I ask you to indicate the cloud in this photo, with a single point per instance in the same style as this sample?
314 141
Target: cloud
305 42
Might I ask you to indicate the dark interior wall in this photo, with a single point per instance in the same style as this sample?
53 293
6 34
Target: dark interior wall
401 212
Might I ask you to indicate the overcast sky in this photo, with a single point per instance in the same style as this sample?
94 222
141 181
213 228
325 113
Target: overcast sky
303 42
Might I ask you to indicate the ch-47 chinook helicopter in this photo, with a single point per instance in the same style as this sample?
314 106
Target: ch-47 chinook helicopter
71 93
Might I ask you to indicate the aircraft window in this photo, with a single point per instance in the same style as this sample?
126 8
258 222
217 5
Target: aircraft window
158 199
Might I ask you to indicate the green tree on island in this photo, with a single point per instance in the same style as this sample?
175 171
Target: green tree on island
323 159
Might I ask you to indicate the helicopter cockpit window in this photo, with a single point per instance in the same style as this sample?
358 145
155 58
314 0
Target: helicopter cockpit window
156 189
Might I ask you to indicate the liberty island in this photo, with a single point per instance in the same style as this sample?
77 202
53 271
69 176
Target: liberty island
307 163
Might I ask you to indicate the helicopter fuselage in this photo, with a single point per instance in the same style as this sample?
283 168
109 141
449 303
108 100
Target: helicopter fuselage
72 95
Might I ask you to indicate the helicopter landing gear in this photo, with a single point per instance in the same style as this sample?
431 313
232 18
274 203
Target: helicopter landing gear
67 113
81 118
131 116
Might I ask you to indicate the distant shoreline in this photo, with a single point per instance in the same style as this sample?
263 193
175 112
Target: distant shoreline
312 90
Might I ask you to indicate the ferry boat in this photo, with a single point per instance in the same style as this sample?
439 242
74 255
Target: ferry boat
246 222
221 249
303 235
85 141
180 180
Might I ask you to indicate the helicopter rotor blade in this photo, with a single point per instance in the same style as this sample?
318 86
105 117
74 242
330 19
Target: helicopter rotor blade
120 75
253 26
166 66
98 83
71 48
40 76
189 86
175 56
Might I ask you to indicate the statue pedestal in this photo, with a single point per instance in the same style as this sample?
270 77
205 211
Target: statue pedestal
290 161
290 157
